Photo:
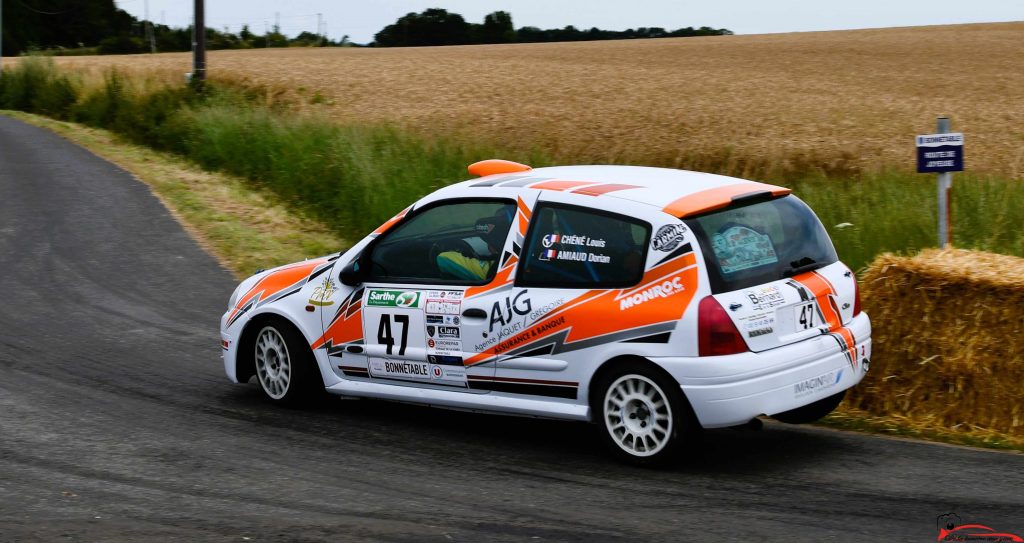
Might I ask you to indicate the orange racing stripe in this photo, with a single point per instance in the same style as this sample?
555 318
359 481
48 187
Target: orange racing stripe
825 294
662 296
560 185
603 189
276 282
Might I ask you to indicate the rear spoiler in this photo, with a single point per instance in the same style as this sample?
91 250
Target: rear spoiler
717 198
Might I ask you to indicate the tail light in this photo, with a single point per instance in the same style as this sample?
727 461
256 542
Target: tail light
717 335
856 297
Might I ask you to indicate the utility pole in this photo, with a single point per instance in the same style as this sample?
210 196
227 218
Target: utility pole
1 38
319 27
150 37
199 45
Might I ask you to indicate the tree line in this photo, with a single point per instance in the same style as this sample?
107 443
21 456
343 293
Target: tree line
100 27
440 27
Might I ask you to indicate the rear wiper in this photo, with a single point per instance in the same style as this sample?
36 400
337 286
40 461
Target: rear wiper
797 267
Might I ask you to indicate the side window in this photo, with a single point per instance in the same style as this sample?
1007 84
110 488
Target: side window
578 248
454 243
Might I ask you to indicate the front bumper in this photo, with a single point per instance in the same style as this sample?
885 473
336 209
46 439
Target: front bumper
731 390
229 347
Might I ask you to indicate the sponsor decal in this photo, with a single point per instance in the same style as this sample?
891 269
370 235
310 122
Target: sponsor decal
444 302
662 290
761 324
741 248
551 240
668 237
441 295
765 297
382 367
575 256
952 528
392 298
407 299
430 330
526 336
417 371
517 305
445 347
323 292
447 332
817 384
486 344
443 308
445 360
451 320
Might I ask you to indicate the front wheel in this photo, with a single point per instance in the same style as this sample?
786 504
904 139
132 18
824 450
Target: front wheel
285 367
643 414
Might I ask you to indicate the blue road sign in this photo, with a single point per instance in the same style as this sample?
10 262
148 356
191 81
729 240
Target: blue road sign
937 153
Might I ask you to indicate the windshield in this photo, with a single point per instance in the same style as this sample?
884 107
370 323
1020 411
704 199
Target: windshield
760 243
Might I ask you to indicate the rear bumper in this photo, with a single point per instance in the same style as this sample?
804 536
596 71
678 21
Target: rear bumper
731 390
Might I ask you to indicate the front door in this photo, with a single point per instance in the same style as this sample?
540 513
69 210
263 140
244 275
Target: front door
415 314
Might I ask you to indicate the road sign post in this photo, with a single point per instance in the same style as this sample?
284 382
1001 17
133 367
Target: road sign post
942 153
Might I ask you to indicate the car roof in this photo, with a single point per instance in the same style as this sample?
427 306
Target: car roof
680 193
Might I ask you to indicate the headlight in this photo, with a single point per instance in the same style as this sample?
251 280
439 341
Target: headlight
234 296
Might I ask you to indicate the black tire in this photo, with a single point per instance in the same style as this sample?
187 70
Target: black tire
636 428
284 365
812 411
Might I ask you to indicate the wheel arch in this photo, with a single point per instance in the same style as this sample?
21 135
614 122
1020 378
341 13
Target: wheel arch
618 363
245 364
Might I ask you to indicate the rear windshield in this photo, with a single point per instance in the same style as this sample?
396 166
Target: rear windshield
762 242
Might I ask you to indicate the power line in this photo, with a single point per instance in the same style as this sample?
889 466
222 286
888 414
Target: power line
30 8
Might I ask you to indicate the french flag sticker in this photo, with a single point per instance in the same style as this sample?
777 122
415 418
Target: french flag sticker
548 254
551 239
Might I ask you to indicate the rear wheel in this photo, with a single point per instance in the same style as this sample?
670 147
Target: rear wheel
284 365
812 411
643 414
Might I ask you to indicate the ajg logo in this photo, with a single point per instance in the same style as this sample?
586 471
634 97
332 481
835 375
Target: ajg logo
519 305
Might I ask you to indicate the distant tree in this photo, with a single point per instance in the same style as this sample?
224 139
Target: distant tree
245 34
497 28
275 38
121 44
434 26
307 39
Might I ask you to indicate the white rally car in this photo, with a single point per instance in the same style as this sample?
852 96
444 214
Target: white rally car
649 301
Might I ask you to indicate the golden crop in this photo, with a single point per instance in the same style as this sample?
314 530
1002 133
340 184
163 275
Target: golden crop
758 105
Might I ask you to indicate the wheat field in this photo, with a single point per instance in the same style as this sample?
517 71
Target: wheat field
759 105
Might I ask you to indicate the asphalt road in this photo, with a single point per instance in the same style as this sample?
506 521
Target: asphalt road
117 423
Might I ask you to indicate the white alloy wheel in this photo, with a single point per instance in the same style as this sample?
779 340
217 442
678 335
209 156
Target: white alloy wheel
637 415
273 365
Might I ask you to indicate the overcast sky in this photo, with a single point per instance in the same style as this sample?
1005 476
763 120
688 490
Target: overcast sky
362 19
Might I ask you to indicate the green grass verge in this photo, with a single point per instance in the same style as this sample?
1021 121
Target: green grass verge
863 421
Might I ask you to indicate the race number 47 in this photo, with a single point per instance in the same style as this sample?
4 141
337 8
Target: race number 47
386 337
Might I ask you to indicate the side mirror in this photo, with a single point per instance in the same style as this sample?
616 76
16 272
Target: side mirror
352 274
